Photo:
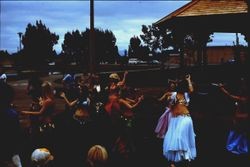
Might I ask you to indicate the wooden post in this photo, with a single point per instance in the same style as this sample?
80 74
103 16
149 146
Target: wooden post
201 39
92 39
247 38
179 39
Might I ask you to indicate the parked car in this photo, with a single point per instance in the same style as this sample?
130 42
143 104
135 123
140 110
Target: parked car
136 61
154 62
133 61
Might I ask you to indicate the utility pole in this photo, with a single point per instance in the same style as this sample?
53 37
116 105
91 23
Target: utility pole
92 39
237 49
20 40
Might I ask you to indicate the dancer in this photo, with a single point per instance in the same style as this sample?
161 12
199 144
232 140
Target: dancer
44 132
163 121
238 139
179 141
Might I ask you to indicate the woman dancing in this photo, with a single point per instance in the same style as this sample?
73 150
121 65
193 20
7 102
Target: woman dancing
179 141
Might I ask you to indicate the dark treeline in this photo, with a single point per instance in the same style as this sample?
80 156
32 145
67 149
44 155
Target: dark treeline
154 43
38 48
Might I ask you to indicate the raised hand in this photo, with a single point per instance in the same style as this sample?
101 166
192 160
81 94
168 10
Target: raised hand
62 94
188 77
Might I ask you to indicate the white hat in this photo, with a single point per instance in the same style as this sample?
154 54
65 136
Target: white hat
41 156
114 76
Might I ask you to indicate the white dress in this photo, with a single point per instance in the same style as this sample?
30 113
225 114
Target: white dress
179 141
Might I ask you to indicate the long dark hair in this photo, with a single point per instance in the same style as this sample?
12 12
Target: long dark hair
182 86
6 95
47 90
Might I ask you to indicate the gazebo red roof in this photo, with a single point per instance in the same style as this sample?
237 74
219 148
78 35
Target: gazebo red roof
207 8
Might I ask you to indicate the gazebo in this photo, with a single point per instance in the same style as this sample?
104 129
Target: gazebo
204 17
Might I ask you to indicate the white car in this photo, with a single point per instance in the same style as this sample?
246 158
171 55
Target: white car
154 62
134 61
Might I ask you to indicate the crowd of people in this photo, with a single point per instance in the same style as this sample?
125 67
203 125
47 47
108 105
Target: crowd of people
99 125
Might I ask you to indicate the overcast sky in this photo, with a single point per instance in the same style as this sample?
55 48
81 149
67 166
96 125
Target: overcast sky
124 18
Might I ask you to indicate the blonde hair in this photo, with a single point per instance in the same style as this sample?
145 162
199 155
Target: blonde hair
47 90
114 76
97 155
41 156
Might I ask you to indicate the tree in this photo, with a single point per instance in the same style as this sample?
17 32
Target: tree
75 47
156 39
105 46
134 47
137 50
38 44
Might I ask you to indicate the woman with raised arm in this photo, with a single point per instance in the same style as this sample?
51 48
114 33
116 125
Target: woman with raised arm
238 139
124 145
45 114
113 91
127 106
116 82
47 103
179 142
